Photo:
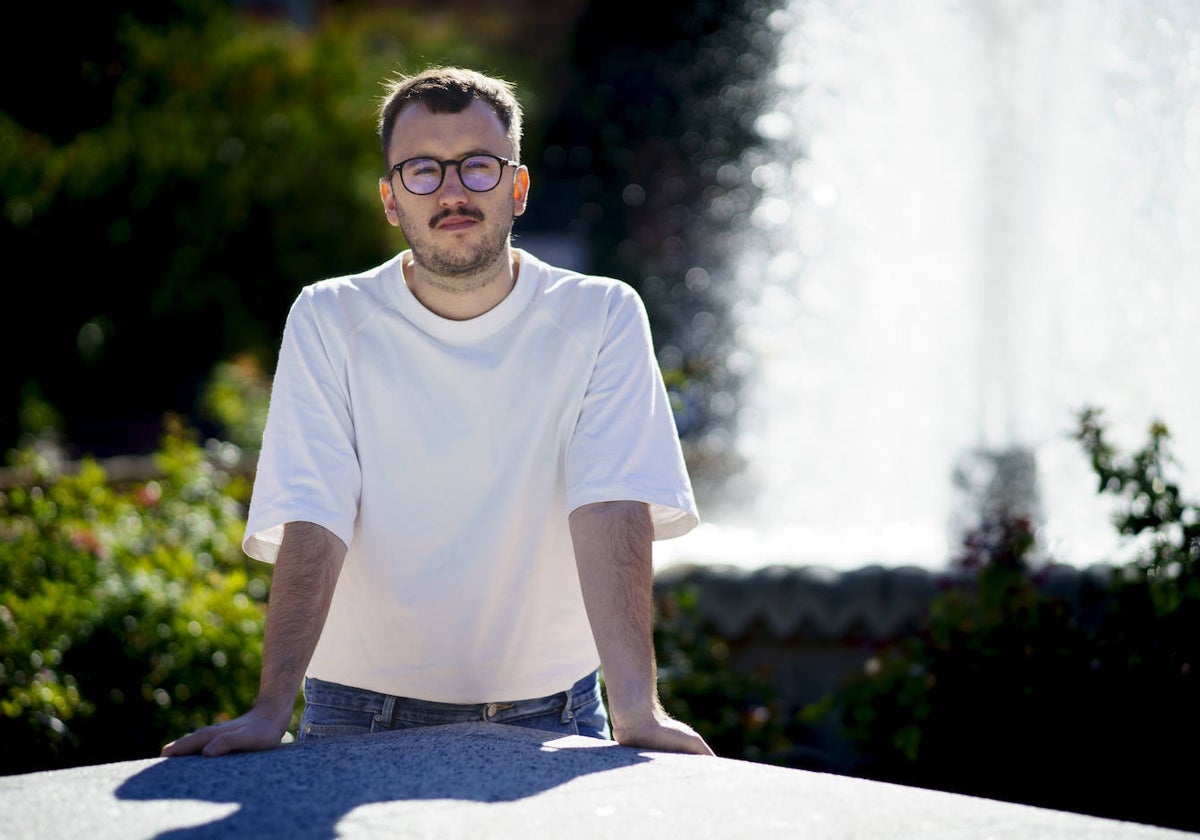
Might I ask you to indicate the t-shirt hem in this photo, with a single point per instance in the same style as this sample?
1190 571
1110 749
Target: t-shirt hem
263 542
434 690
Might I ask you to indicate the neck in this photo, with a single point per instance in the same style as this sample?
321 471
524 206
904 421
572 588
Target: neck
463 297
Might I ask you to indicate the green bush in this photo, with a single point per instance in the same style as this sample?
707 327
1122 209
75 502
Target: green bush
737 713
1013 693
130 614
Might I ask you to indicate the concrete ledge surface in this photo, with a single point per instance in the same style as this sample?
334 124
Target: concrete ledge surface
484 780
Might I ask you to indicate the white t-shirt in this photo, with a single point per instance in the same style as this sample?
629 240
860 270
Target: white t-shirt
447 456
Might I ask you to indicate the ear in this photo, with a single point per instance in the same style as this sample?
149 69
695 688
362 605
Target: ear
389 202
520 190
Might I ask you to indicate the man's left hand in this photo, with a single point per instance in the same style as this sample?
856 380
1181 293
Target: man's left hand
663 733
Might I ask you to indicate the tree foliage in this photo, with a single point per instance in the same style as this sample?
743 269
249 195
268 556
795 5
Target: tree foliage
235 160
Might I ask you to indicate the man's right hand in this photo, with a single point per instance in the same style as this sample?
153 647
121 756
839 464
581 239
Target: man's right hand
255 730
306 571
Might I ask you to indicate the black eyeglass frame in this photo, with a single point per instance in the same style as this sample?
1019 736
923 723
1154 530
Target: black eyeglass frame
443 165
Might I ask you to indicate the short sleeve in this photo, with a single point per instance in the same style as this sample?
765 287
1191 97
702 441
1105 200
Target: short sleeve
308 468
625 445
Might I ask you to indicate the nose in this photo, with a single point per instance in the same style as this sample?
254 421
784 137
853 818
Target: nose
452 191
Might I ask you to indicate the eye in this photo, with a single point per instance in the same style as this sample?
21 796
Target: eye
422 168
479 164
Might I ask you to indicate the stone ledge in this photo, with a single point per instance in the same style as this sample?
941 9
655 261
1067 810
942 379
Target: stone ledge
874 603
484 780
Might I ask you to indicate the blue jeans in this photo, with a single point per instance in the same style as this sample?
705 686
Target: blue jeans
332 710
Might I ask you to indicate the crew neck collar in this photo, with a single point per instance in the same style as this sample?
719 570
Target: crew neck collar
471 329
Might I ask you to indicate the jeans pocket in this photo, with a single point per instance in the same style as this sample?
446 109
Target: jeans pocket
321 721
331 730
591 719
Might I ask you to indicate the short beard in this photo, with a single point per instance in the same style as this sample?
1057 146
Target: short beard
445 265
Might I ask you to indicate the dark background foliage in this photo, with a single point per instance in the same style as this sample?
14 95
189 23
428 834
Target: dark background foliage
173 172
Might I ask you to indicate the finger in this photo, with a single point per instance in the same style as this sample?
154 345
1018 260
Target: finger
692 742
227 742
698 746
188 744
672 737
682 742
244 738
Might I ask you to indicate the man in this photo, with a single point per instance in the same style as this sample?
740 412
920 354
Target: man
467 455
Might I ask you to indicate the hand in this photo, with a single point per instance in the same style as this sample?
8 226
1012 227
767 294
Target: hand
255 730
663 733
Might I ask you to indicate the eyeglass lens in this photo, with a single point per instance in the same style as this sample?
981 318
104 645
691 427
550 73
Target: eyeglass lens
478 173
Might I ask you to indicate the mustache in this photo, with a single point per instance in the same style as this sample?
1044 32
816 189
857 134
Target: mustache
465 212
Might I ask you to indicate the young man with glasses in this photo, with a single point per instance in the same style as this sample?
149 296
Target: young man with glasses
467 456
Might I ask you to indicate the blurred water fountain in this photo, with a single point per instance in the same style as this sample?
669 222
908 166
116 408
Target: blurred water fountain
976 218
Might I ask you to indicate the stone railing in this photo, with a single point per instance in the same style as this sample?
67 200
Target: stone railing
483 780
808 627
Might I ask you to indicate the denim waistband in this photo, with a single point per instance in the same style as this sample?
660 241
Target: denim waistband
387 708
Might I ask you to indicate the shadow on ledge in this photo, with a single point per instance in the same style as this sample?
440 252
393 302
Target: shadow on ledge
305 789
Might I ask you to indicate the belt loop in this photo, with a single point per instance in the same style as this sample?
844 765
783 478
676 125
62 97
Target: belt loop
567 714
388 710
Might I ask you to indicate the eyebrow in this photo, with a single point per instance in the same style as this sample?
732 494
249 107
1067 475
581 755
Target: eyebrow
467 154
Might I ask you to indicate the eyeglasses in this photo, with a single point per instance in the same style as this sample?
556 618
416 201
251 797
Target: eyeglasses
478 173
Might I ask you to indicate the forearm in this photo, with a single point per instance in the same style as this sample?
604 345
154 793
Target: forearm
616 576
613 553
306 571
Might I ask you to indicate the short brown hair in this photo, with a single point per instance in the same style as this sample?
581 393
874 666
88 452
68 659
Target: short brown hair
450 90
